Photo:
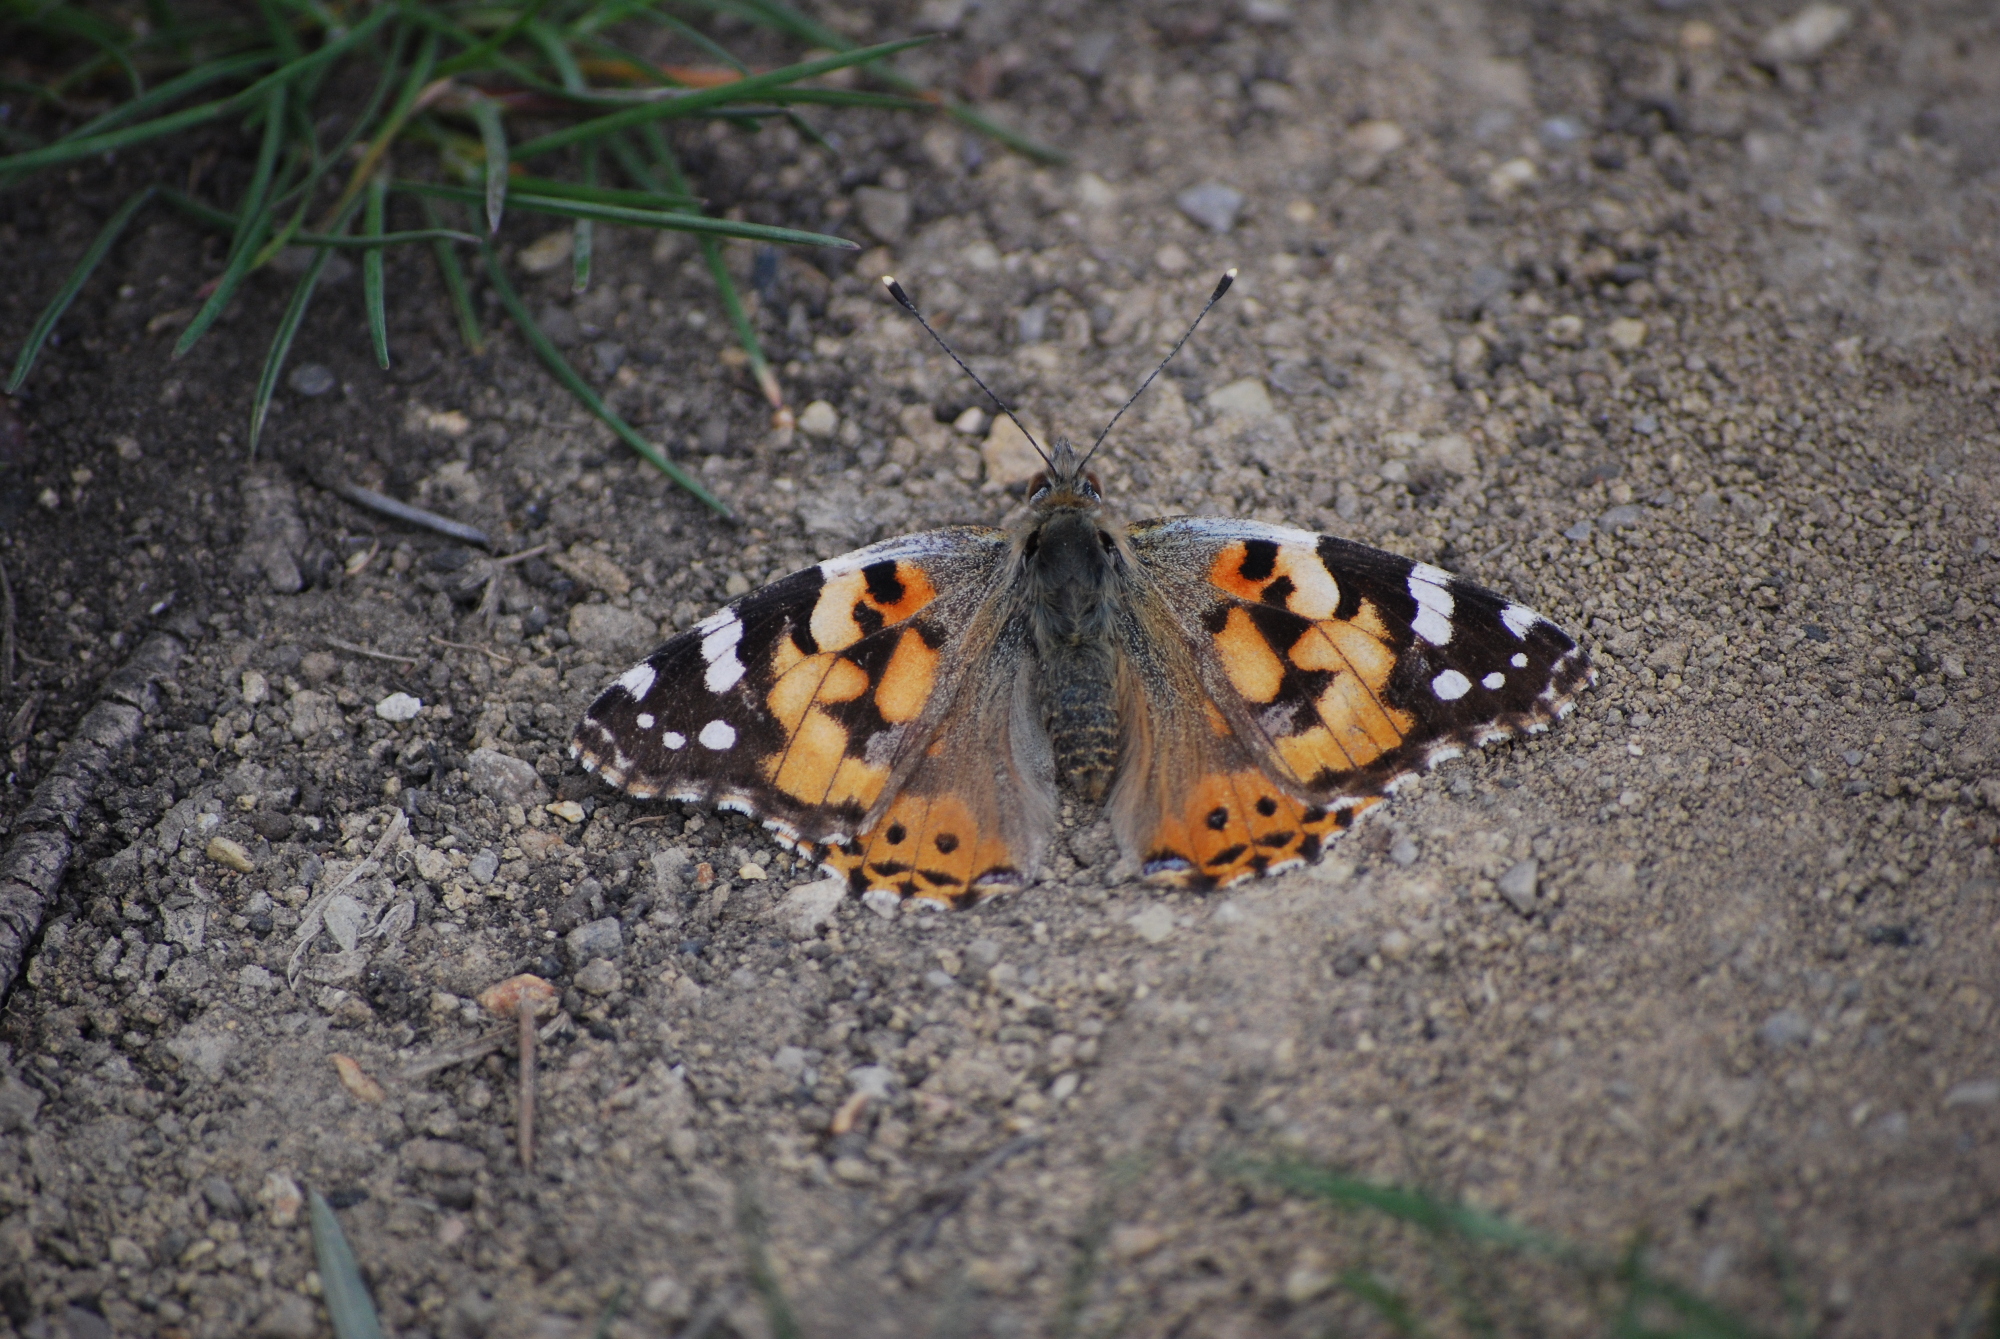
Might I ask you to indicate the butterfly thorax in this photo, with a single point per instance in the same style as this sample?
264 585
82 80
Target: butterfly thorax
1072 570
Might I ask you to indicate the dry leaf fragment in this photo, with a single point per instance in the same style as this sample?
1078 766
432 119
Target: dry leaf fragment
355 1079
504 1000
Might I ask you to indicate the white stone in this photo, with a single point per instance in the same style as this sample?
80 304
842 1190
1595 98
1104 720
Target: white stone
399 707
1805 35
1153 924
811 907
1245 398
819 419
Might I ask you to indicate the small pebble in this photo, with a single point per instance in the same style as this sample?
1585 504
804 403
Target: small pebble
1517 885
1153 924
750 872
1404 852
230 854
569 811
1974 1093
399 707
603 938
1620 517
311 379
819 419
484 867
599 977
1804 35
1787 1027
1626 333
1214 206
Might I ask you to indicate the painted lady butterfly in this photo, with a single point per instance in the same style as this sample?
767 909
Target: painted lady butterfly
1235 693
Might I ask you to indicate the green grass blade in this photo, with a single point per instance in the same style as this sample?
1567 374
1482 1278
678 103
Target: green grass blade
45 324
480 52
281 344
372 217
702 100
66 151
577 386
282 35
260 177
648 218
454 283
585 230
788 20
213 72
348 1305
715 49
603 195
718 269
1390 1305
485 114
243 258
556 52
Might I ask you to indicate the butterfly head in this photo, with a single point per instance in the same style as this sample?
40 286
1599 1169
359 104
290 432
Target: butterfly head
1065 485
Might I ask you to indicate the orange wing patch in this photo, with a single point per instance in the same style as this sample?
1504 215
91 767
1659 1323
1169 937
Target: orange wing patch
1235 825
1357 724
926 846
866 600
1290 575
1253 668
814 767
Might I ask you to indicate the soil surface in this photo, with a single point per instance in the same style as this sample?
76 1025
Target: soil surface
1655 317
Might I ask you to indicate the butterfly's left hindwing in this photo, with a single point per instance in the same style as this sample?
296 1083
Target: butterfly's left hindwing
795 702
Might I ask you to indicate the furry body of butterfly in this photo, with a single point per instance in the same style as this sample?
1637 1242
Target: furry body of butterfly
1073 570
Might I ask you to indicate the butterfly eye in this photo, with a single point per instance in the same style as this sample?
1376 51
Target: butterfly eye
1096 489
1039 485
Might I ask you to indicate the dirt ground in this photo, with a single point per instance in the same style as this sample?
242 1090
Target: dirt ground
1690 342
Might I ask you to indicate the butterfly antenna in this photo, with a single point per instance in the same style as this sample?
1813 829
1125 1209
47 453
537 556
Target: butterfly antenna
1228 278
903 300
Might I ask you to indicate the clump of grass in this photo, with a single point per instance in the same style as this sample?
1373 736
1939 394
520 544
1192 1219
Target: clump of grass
1485 1275
460 100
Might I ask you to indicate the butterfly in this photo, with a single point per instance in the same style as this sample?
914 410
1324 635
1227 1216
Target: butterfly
1234 694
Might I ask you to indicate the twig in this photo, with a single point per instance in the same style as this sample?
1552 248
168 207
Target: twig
403 511
6 630
523 555
339 645
461 1054
314 919
942 1202
524 1013
42 841
468 646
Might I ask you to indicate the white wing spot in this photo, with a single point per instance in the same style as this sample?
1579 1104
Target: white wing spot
1494 680
674 739
1451 685
717 735
1434 603
1520 620
638 681
1519 661
645 719
718 648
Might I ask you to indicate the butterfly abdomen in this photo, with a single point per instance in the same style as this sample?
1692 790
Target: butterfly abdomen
1071 579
